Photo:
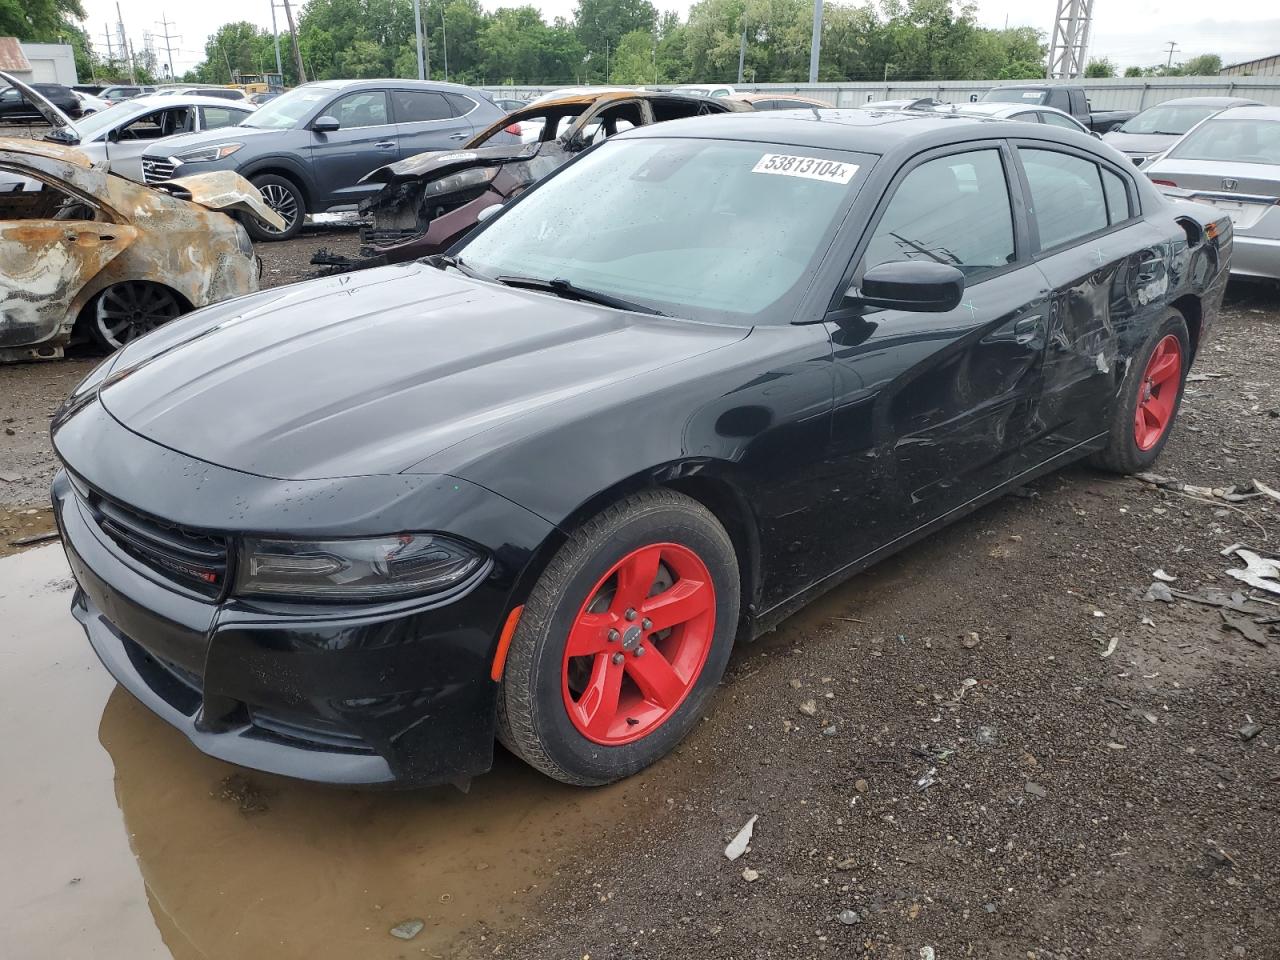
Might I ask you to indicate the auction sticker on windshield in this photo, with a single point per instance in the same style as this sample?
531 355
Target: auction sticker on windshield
811 168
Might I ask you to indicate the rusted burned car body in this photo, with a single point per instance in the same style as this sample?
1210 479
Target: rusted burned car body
79 245
431 200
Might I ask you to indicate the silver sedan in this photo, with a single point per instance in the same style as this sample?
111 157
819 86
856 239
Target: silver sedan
1231 161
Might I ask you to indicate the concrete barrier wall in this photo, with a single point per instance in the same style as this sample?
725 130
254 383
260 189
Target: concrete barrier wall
1128 93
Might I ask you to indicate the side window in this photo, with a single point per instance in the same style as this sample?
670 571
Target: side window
414 106
1058 120
1066 195
1117 196
214 117
462 105
1027 116
953 209
615 119
1058 98
24 197
673 109
366 108
161 123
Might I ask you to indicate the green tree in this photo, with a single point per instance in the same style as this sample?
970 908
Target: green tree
601 24
39 21
1133 71
1100 68
1205 65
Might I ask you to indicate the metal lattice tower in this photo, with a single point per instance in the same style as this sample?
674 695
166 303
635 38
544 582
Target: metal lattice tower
1070 47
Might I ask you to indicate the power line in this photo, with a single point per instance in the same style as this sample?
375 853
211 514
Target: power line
168 40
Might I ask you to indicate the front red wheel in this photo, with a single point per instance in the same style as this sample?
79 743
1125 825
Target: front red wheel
639 643
622 640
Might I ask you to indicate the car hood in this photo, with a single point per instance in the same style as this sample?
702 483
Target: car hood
1144 143
372 372
58 120
427 166
183 142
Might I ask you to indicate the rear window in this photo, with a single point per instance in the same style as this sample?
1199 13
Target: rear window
1170 120
1016 95
1239 141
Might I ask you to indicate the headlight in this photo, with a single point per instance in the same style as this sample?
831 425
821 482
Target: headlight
380 568
460 181
206 154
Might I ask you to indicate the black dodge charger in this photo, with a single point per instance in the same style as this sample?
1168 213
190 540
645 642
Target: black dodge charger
355 529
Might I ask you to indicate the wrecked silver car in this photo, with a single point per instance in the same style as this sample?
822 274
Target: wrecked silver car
87 254
433 199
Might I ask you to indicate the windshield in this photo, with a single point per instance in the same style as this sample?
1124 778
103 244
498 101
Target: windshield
1172 120
287 110
1240 141
87 128
1016 95
715 230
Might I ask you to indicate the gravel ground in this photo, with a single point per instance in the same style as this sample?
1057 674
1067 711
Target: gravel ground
976 774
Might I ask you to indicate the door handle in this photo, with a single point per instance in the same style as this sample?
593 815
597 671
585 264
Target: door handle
385 144
457 136
1027 329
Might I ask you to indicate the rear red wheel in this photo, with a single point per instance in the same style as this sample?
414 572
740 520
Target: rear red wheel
1158 393
622 641
639 643
1147 399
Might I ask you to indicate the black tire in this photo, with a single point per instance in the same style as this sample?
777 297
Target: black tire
125 311
283 196
533 718
1123 453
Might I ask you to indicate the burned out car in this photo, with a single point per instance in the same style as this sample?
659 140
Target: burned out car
433 199
85 253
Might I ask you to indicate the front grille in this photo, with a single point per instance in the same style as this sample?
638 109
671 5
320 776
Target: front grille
194 559
153 171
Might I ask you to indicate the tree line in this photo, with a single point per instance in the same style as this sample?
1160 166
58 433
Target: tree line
606 41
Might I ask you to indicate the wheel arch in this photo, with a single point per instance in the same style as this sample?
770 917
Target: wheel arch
89 296
286 170
709 482
1192 311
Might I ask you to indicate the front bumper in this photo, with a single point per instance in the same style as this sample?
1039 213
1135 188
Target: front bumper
386 693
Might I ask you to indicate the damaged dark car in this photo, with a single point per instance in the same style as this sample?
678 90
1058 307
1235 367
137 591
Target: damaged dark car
534 490
431 200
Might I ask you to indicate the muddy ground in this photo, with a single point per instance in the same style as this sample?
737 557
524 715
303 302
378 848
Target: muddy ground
1034 791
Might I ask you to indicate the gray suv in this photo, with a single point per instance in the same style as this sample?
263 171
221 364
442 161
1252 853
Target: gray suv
308 149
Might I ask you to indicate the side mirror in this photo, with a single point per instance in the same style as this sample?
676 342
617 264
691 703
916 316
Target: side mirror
914 285
488 212
325 124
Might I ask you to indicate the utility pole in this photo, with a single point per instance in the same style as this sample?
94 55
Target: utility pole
1172 47
111 54
742 51
276 34
444 43
293 36
815 45
168 40
417 38
128 47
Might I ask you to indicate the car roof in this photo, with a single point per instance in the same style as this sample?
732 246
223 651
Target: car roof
866 131
759 97
433 85
1261 112
1205 102
176 100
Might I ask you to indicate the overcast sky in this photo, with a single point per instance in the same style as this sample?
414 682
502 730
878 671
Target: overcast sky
1127 31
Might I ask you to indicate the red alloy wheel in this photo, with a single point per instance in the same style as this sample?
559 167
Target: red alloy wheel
1158 393
638 644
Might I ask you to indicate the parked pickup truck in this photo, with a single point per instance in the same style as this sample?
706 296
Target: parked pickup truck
1066 97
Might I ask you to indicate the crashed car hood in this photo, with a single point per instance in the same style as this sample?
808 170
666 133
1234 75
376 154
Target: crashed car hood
427 166
372 372
60 122
223 190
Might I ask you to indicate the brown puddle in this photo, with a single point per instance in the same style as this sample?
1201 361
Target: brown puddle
22 528
144 851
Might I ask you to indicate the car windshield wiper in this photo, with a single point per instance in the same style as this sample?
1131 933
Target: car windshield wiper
570 291
442 260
